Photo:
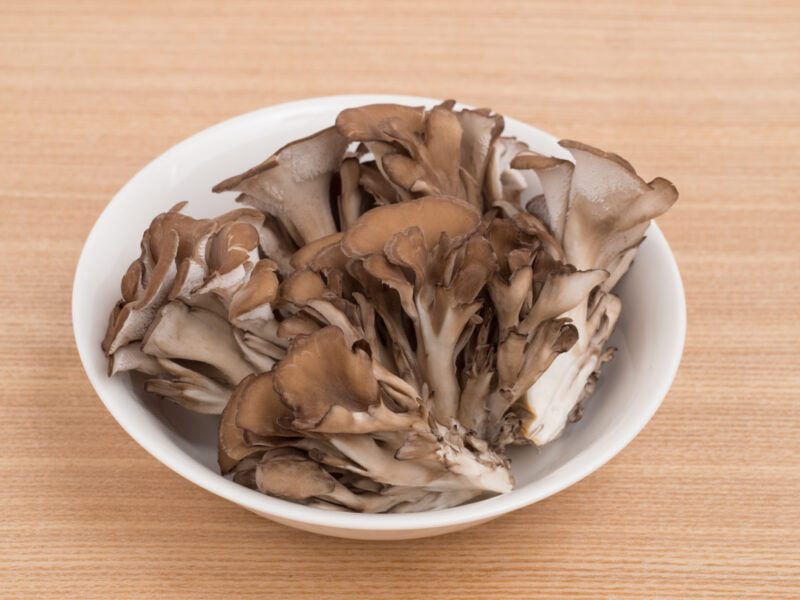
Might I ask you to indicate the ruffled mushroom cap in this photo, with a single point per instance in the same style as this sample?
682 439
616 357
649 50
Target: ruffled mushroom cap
610 206
433 215
294 184
554 175
343 396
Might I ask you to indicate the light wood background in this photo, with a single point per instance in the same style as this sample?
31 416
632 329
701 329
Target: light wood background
704 503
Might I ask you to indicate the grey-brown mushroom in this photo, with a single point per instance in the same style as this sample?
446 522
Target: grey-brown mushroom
397 306
293 185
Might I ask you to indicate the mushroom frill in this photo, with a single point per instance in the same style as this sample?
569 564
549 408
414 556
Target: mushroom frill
406 294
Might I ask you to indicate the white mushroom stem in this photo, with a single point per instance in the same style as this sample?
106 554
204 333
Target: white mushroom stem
438 360
555 394
195 334
463 470
190 389
262 362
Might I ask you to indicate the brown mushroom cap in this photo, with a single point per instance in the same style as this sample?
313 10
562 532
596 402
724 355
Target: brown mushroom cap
302 286
443 145
134 318
610 206
250 216
276 243
261 289
131 284
297 325
287 473
260 409
341 377
304 257
343 396
429 162
501 154
379 122
231 246
476 266
380 268
373 182
294 184
481 128
434 215
232 445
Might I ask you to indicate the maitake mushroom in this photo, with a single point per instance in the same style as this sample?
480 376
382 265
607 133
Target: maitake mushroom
195 312
397 307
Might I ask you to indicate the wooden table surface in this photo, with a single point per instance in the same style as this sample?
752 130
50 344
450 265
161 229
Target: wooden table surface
704 503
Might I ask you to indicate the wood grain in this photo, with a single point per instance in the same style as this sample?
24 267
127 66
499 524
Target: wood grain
705 503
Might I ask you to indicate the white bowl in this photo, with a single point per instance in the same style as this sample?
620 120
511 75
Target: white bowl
650 334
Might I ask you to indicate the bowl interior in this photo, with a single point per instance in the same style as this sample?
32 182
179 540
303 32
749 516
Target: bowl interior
649 335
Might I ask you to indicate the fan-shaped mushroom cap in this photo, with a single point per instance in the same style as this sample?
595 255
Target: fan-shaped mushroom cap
472 270
380 122
480 129
509 297
374 182
253 299
234 244
297 325
134 317
555 394
132 285
610 205
393 276
343 396
430 163
261 362
433 215
306 256
532 226
291 474
232 252
517 374
232 446
288 473
555 175
173 264
294 184
260 409
501 154
302 286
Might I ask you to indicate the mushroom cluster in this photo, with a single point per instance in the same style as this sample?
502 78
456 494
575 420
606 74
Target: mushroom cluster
407 294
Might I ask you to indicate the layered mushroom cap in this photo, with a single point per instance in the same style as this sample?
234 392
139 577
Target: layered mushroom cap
189 306
408 293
